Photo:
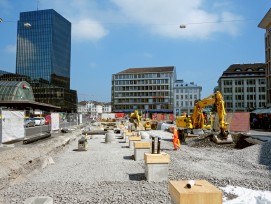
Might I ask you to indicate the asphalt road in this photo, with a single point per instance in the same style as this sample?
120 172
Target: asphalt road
31 131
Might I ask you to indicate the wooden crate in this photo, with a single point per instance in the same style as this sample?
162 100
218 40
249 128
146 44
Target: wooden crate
134 138
142 145
202 192
162 158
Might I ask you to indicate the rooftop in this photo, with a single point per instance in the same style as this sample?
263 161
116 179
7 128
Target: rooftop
257 67
147 70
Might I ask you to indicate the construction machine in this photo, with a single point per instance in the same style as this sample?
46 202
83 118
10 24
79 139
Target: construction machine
136 118
198 119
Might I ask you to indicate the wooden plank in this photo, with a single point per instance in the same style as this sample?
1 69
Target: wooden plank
128 133
202 192
162 158
142 145
134 138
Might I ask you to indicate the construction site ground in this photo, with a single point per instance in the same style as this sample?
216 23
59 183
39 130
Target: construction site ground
108 173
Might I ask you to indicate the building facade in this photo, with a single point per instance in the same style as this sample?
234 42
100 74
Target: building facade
148 90
44 54
185 95
243 87
266 24
44 47
93 109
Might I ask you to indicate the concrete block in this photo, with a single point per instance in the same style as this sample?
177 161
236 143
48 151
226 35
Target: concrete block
110 137
156 166
156 172
202 192
133 139
162 158
140 152
142 145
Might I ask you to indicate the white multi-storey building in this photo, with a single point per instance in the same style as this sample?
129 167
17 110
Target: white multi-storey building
144 89
93 109
243 87
185 95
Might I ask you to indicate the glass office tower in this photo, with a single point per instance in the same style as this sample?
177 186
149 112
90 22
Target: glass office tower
43 54
44 47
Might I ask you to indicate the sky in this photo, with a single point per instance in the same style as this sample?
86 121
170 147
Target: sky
109 36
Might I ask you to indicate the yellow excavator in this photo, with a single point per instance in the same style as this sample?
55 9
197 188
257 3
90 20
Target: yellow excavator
197 119
136 118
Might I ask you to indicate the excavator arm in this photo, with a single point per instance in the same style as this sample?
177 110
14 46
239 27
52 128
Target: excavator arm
198 117
135 115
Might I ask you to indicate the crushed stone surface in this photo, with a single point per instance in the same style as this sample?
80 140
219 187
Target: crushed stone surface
107 172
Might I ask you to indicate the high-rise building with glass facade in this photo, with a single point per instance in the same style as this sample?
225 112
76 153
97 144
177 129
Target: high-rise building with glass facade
44 54
44 47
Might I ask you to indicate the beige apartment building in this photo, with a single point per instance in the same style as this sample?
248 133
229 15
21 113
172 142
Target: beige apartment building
149 90
266 24
243 87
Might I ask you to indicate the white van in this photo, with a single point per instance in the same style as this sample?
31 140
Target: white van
39 120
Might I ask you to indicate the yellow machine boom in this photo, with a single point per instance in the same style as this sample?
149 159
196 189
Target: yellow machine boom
136 117
198 117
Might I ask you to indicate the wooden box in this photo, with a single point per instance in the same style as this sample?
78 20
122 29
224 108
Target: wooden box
134 138
142 145
128 133
162 158
201 193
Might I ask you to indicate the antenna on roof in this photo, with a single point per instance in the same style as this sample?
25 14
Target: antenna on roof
37 5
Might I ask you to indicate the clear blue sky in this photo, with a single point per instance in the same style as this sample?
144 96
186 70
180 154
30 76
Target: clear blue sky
109 36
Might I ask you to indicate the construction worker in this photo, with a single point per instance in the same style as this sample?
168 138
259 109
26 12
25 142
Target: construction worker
175 141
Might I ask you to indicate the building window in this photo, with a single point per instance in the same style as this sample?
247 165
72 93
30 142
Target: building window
239 97
227 82
228 97
239 82
239 89
250 89
261 97
227 90
262 81
261 89
251 82
250 97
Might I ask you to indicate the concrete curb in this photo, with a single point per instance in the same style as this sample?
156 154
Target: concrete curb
21 160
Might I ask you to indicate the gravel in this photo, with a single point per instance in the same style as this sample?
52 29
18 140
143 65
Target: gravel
107 173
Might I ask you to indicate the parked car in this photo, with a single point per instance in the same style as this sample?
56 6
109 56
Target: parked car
39 120
29 123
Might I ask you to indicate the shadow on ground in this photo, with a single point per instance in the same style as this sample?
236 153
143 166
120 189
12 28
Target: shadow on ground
137 177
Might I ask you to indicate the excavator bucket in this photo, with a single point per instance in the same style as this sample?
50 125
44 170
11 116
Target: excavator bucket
218 139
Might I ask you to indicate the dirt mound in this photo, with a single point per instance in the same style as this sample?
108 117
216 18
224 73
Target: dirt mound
239 142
